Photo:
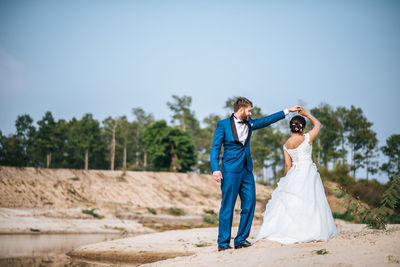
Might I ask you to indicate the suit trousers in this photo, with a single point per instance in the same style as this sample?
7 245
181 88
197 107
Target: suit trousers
232 185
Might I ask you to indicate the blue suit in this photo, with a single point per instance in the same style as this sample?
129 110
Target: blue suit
237 173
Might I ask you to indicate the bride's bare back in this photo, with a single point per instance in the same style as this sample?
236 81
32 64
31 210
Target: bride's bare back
298 138
294 141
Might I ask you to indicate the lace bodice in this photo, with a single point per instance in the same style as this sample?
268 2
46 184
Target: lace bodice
302 152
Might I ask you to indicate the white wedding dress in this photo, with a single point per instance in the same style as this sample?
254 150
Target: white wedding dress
298 210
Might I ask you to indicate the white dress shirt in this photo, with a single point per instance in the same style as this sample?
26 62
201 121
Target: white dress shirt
242 129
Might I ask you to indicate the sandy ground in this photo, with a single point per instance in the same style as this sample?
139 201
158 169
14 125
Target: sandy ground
139 204
356 245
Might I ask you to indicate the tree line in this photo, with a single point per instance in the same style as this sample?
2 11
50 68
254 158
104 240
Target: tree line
184 145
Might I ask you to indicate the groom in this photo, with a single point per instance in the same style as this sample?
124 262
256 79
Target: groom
236 174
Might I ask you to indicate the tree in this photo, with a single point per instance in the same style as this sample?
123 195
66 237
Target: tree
26 133
45 138
329 135
169 148
124 131
341 115
143 120
110 127
207 134
12 151
356 124
60 139
2 148
85 139
392 151
229 105
182 113
370 151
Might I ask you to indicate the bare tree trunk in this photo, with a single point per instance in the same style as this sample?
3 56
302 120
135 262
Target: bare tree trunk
48 159
113 147
343 156
137 147
174 161
354 164
145 160
86 159
319 151
124 163
367 167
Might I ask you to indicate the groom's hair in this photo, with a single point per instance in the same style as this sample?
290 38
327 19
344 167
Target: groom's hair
241 102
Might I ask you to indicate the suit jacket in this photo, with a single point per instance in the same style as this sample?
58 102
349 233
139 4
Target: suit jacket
236 155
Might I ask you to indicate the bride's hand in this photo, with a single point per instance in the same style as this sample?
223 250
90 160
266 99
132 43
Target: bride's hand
295 108
303 112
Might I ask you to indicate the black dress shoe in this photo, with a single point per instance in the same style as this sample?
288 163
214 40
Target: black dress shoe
245 244
224 248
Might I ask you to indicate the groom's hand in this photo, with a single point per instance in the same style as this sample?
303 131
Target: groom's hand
295 108
217 175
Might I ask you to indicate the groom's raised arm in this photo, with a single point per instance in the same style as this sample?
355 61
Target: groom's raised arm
216 146
265 121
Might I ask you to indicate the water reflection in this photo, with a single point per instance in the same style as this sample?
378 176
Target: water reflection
36 245
46 249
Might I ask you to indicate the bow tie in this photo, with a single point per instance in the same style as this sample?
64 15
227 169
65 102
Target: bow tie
242 122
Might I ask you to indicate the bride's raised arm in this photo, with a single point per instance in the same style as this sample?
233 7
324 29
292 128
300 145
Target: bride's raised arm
317 125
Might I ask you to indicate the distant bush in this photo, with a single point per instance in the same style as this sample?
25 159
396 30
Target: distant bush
210 211
343 216
176 211
210 217
151 210
91 212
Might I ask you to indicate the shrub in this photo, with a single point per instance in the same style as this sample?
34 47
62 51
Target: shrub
151 210
176 211
344 216
91 212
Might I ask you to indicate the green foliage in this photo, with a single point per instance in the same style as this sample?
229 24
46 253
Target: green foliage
375 218
138 127
392 151
151 210
378 218
169 148
203 244
176 211
329 135
186 147
320 251
343 216
210 217
91 212
209 211
85 136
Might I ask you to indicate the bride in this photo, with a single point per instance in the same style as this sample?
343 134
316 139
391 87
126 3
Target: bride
298 210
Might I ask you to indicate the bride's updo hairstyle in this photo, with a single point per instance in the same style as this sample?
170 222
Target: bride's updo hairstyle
297 124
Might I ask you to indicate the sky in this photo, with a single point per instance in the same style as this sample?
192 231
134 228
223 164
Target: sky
107 57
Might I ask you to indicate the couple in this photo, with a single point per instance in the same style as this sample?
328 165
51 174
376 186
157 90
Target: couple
298 210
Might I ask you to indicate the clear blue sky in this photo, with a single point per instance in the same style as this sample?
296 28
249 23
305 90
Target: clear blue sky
105 57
